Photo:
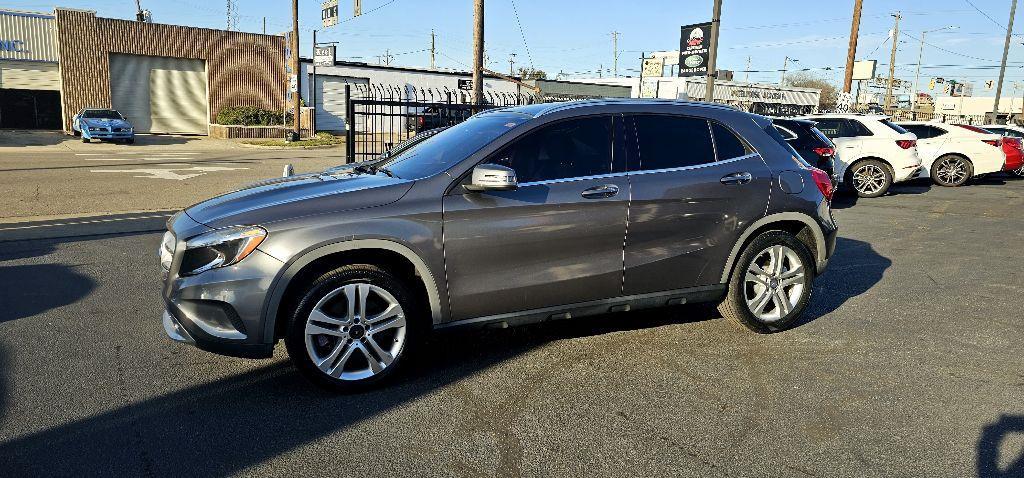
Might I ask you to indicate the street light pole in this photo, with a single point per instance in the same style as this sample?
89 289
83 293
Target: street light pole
785 65
920 55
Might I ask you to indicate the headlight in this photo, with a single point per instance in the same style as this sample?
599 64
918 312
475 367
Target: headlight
220 248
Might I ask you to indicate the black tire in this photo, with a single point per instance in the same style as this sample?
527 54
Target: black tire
876 182
85 140
75 133
734 306
129 141
295 340
1019 172
963 172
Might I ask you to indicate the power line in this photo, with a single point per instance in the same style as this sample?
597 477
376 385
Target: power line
369 11
522 33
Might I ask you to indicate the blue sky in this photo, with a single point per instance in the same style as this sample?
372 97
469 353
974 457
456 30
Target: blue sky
574 36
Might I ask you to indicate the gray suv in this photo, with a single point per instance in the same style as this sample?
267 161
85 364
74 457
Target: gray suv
517 215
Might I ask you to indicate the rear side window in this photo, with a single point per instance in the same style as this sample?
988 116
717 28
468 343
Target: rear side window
727 145
919 130
672 142
833 128
895 127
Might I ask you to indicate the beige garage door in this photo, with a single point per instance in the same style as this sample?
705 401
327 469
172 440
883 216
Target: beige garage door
160 94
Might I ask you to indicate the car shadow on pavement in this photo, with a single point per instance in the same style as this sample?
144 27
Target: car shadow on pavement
228 425
854 269
30 289
846 198
992 436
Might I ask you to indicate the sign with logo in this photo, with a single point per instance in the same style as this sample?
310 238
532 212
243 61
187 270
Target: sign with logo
465 84
653 67
693 49
864 69
17 46
329 13
324 55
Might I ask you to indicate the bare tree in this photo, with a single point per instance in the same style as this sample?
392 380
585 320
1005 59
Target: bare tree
532 74
829 92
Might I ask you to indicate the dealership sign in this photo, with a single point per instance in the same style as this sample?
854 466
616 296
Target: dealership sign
17 46
329 13
324 55
693 49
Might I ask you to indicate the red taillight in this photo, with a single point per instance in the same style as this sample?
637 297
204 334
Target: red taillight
823 182
825 152
906 143
992 142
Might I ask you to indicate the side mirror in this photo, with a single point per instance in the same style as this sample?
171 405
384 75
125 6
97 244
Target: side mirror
492 177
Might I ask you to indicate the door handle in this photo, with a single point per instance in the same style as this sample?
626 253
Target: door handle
600 192
737 178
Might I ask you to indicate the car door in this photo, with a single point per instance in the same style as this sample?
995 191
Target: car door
687 207
929 141
556 240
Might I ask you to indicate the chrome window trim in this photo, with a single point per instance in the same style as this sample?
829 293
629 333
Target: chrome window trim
574 179
695 166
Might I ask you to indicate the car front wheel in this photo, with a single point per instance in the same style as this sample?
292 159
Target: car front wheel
351 328
771 284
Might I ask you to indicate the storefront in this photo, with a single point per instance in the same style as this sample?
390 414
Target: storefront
29 73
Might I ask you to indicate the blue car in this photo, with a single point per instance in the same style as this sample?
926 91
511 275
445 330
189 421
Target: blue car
102 123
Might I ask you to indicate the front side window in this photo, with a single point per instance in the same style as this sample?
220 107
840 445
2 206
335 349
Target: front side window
664 142
447 148
568 149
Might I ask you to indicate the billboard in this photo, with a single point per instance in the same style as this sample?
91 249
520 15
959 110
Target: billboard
694 43
864 69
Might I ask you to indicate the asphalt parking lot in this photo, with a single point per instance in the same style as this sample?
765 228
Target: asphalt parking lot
909 364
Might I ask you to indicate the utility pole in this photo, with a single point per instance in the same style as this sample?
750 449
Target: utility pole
851 53
716 21
511 64
785 66
478 51
264 25
296 109
433 49
746 75
615 54
1002 67
892 59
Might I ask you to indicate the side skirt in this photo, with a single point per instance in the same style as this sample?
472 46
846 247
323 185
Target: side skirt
597 307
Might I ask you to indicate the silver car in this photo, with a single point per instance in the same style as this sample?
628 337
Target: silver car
516 215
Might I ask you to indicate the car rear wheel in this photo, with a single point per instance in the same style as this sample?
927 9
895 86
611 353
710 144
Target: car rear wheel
870 179
951 171
1019 172
352 328
771 283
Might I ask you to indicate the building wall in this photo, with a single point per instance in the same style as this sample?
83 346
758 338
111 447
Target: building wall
244 69
29 35
976 105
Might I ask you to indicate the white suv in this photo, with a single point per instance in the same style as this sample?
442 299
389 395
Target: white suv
952 154
874 153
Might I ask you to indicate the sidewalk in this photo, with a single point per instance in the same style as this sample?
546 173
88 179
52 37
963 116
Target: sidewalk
50 141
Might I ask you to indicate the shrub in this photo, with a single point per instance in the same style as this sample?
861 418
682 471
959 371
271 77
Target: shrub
251 116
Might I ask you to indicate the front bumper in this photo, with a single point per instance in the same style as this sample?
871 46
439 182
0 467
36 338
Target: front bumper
220 310
108 134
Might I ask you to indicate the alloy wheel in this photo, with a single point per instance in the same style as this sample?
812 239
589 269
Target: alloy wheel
869 179
952 171
1019 171
355 332
774 283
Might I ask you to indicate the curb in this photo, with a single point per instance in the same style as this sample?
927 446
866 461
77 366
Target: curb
288 148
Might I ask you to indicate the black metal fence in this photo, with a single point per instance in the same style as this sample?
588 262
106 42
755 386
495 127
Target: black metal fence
380 116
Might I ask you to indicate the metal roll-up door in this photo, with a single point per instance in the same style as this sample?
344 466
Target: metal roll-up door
160 94
330 100
28 75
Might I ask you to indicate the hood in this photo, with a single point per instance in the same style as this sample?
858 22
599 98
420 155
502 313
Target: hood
296 196
102 123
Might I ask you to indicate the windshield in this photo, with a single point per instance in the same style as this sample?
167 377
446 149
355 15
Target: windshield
101 114
447 148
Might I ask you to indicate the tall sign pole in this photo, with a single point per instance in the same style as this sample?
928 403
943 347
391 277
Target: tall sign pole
1006 51
716 20
851 53
293 78
478 51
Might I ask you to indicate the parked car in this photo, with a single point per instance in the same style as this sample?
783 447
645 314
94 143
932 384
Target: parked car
951 155
433 117
102 124
873 152
516 215
1015 135
395 150
811 143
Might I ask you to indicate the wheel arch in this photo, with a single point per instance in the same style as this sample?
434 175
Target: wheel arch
802 226
390 255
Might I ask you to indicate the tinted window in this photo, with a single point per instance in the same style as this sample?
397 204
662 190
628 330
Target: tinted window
727 145
569 149
772 131
919 130
786 132
672 141
842 128
447 148
101 114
